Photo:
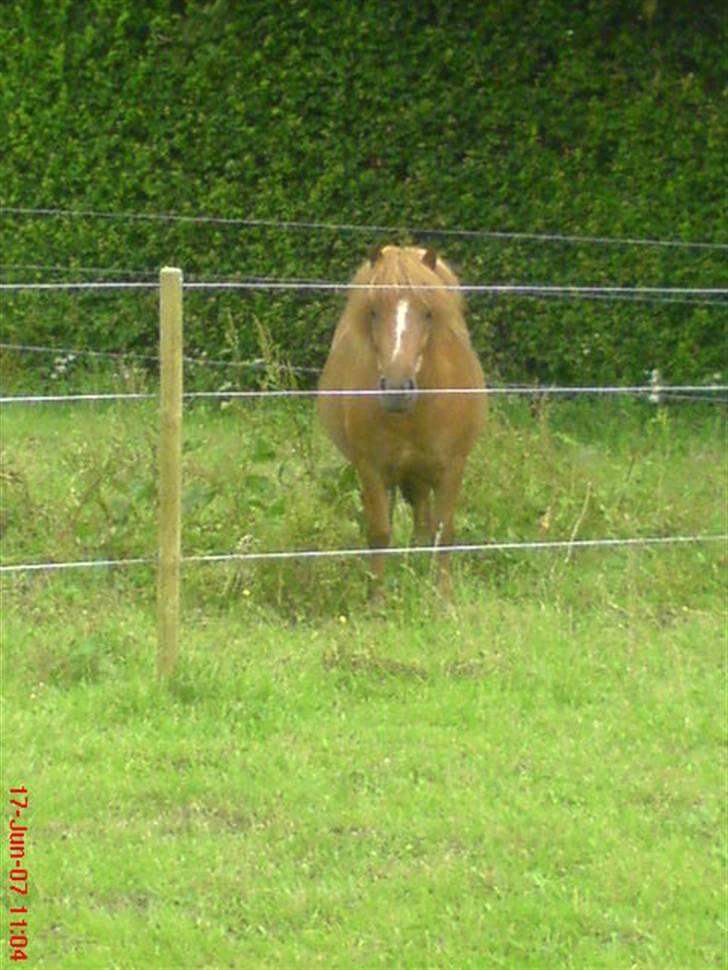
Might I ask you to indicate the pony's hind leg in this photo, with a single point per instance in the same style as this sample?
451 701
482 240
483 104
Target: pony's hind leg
446 491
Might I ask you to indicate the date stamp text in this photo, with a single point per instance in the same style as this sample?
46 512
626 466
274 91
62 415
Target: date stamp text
18 873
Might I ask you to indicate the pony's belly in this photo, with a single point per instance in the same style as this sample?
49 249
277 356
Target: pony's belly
415 446
407 463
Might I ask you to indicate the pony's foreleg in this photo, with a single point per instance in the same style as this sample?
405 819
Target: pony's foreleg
375 498
446 489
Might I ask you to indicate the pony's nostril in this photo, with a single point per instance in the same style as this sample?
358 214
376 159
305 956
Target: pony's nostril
408 385
382 383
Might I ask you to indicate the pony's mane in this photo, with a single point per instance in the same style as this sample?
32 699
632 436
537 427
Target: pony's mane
405 267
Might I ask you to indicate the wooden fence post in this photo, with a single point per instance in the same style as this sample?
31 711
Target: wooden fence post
170 469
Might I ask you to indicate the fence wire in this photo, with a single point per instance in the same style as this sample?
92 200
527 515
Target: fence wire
201 361
651 294
85 270
654 391
303 554
352 228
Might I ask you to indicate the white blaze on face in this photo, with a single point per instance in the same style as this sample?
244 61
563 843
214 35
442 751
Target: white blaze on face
400 326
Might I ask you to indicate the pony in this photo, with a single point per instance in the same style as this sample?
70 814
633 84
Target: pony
402 332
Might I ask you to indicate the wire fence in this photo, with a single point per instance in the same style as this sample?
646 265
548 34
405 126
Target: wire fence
713 296
653 391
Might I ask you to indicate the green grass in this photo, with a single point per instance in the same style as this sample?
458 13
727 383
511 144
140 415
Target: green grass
533 776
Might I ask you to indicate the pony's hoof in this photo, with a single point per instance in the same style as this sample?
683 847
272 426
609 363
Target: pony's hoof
376 597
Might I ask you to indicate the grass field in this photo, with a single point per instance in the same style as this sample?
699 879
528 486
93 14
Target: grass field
531 776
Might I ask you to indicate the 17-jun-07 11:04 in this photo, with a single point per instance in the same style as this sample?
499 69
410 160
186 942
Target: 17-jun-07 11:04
18 909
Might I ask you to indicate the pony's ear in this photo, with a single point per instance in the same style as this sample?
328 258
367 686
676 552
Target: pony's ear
374 253
430 259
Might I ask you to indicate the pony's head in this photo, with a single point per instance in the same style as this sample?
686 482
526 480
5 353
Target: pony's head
404 300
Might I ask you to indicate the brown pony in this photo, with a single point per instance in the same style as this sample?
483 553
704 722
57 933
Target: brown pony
403 331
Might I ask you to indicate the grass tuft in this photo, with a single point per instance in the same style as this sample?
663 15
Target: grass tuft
529 776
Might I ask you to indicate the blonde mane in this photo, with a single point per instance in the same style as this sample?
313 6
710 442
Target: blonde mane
405 267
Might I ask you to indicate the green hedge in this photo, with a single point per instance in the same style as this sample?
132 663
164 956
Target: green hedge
548 117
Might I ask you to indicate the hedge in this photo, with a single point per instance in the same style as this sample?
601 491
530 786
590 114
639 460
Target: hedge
591 119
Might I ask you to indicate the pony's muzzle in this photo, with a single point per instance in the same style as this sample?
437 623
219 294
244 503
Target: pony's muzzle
399 396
